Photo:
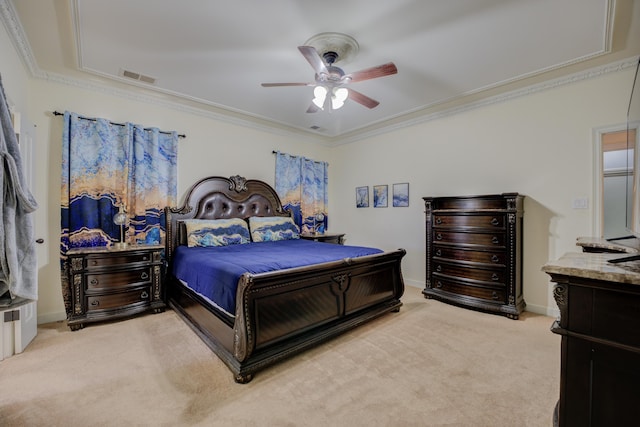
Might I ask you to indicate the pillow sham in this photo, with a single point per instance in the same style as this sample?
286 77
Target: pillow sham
273 228
216 232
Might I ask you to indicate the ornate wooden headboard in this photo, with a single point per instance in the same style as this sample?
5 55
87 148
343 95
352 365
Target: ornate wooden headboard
217 197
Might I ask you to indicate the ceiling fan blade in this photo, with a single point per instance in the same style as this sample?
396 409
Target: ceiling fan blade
362 99
311 54
286 84
373 72
313 108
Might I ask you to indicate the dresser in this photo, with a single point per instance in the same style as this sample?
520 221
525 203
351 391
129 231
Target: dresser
599 305
108 283
474 252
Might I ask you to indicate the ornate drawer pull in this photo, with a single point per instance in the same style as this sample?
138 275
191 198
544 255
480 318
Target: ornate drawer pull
144 276
495 240
144 295
438 236
495 258
439 268
495 277
145 258
495 221
438 284
95 303
494 295
94 282
438 220
438 252
94 262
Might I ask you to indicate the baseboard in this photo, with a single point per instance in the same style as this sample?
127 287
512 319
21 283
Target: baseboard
51 317
543 310
414 283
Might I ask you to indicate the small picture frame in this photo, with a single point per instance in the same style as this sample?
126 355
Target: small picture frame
362 197
401 195
380 196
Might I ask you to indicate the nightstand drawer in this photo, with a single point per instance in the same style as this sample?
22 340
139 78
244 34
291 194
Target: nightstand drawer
120 279
115 260
120 300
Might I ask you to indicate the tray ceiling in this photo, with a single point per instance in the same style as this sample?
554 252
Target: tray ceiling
215 54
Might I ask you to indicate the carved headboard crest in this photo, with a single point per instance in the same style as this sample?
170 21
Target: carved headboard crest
238 183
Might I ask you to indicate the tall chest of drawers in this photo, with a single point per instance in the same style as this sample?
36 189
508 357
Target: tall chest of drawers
474 252
107 283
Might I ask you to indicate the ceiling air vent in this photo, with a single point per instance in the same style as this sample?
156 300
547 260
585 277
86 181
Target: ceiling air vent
137 76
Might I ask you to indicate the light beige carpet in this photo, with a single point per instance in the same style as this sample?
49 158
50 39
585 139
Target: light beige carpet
432 364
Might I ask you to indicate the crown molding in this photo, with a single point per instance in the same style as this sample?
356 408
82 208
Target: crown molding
507 96
9 17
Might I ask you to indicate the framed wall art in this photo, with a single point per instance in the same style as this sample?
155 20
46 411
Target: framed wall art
401 194
362 197
380 196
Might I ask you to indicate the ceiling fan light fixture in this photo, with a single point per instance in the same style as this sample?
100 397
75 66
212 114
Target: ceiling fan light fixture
340 95
320 94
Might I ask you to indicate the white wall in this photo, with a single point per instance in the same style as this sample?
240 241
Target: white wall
539 145
14 77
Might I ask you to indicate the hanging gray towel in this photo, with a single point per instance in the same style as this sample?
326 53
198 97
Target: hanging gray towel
18 263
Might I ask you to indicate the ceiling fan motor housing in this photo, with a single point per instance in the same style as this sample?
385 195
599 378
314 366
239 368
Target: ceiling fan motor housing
330 57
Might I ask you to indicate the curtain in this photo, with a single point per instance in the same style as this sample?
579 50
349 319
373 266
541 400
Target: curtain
302 185
106 166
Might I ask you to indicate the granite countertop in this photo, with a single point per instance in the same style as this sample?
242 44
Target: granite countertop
595 266
631 246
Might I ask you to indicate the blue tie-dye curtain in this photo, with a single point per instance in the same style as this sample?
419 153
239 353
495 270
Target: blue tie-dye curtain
106 166
302 185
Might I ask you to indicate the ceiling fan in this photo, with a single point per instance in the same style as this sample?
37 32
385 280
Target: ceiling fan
322 52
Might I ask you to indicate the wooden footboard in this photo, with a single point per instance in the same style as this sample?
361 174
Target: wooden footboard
282 313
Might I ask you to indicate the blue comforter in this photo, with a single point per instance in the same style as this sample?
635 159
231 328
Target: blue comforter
214 271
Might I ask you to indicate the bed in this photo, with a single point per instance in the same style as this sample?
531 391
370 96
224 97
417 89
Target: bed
273 313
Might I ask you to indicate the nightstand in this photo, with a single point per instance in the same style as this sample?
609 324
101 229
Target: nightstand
109 283
335 238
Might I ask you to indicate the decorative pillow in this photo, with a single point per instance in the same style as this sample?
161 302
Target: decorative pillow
216 232
272 228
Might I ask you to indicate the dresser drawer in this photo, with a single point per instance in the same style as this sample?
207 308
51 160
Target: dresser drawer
496 276
120 300
498 259
497 295
118 279
96 261
487 222
478 239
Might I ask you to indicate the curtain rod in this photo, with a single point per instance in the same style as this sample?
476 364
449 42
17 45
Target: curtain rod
291 155
57 113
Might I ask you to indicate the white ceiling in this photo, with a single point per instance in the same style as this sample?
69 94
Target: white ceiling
215 53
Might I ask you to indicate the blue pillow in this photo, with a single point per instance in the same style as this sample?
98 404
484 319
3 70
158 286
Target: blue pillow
216 232
273 228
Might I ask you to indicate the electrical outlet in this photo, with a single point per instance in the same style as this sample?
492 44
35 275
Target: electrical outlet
580 203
